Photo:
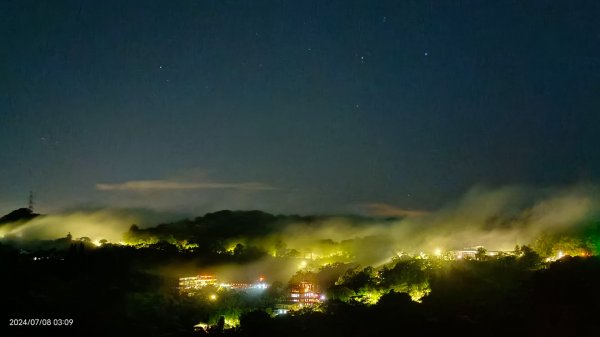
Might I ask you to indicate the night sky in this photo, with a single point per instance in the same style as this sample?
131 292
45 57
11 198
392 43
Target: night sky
293 106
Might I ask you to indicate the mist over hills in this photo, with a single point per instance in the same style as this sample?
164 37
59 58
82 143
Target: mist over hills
497 218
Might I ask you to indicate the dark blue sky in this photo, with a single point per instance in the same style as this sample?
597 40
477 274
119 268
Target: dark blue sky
293 106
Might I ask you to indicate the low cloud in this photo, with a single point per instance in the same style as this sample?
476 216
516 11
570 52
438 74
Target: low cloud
110 224
162 185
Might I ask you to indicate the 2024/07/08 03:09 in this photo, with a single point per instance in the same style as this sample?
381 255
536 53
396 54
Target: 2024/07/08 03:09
40 322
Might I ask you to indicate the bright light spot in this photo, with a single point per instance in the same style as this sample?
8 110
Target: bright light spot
261 286
97 243
213 297
560 254
302 265
323 298
438 252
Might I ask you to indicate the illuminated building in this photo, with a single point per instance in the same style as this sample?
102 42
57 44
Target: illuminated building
236 285
189 285
305 293
260 285
471 253
465 253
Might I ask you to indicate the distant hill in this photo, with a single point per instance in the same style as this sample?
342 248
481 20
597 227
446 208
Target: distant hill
21 214
226 224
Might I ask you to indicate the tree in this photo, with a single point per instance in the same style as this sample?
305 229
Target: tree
221 324
518 251
481 254
254 322
340 293
529 258
356 279
280 248
239 249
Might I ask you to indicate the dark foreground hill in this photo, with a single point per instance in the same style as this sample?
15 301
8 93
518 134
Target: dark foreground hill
21 214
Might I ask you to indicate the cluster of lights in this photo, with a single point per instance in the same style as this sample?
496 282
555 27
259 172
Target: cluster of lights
560 254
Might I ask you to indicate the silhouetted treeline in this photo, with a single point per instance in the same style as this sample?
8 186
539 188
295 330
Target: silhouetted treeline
221 225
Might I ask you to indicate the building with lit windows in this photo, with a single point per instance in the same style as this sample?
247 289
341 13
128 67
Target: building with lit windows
305 293
189 285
